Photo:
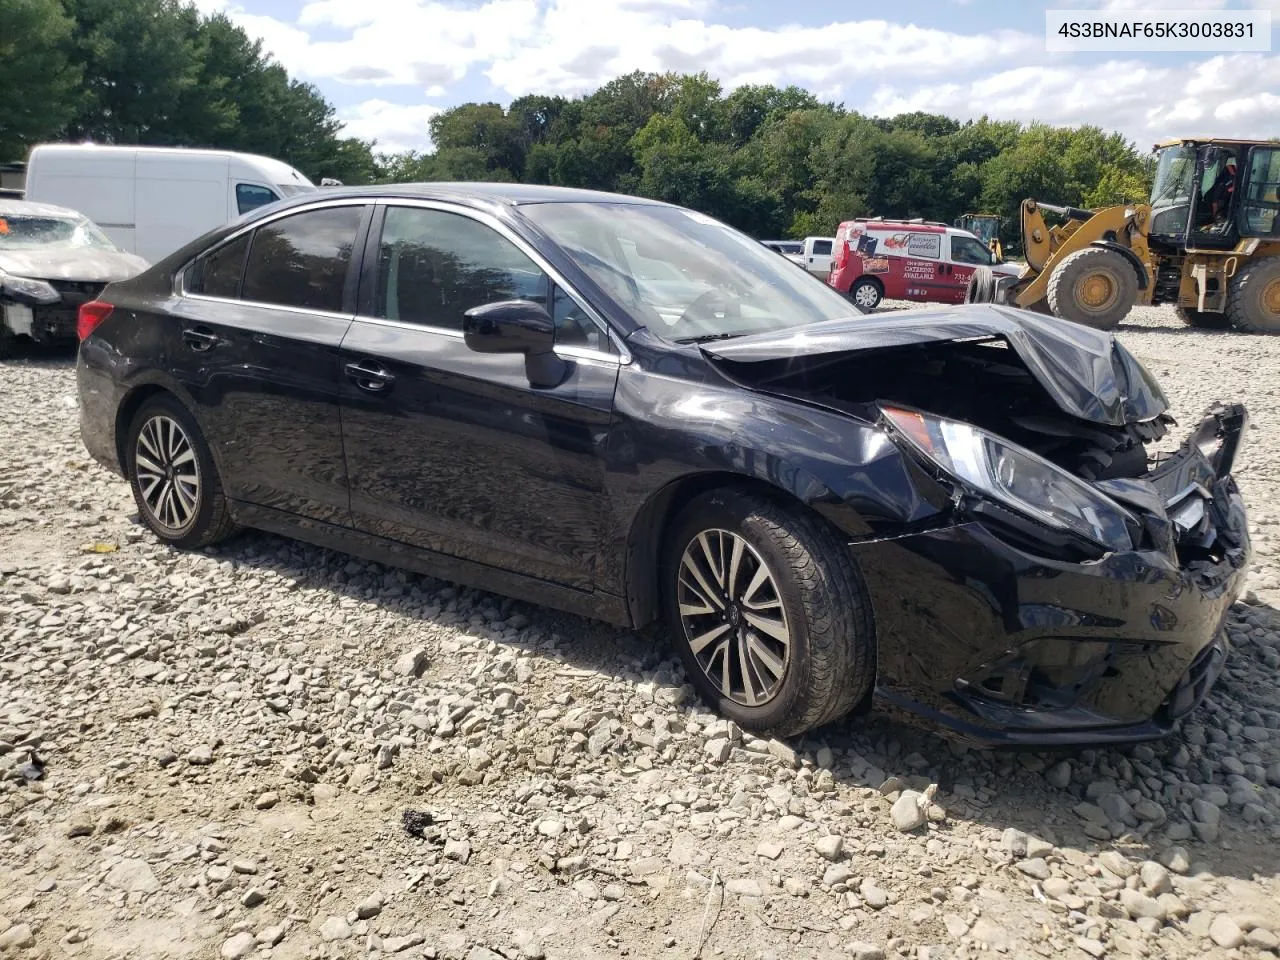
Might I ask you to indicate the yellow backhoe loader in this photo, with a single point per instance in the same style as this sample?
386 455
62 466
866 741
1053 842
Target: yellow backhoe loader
1208 241
986 227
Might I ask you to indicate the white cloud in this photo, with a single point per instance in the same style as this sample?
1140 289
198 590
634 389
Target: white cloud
1222 96
396 127
570 47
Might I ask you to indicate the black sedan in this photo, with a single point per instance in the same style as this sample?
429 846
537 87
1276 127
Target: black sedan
627 410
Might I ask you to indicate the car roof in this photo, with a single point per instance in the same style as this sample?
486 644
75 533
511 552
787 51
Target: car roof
29 208
479 193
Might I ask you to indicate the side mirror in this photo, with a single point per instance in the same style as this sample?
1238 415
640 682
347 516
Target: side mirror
517 326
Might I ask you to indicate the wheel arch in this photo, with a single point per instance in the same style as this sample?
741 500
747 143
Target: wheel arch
132 401
651 526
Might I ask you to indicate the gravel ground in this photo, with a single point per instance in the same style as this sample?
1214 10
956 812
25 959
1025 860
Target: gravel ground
269 749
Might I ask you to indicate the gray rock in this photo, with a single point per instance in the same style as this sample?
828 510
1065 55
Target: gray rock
253 897
718 749
201 756
1059 775
1014 842
371 906
1225 932
270 936
132 876
411 664
1116 808
872 895
401 944
335 928
1037 868
238 946
1117 863
744 887
861 950
457 850
839 873
1155 878
1056 887
17 937
908 813
769 850
992 934
1138 904
829 847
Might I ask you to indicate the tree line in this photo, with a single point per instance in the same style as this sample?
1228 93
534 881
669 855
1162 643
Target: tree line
159 73
772 161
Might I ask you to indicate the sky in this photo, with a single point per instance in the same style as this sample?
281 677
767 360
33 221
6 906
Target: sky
389 65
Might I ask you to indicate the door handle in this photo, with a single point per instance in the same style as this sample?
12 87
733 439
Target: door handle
200 339
369 378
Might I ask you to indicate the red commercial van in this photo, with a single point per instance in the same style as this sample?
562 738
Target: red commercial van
907 260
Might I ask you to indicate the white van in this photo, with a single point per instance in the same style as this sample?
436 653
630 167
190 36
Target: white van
152 200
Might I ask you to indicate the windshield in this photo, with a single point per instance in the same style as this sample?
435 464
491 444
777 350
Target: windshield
24 232
684 275
985 228
1171 192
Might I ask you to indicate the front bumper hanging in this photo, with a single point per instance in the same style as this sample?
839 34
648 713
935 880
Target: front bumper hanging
998 645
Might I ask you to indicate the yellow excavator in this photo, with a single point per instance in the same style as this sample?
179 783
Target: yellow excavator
1208 241
986 227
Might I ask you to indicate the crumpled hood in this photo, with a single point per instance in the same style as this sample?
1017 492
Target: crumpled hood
1087 372
72 263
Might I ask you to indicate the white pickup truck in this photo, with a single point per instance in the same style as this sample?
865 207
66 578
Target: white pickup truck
816 256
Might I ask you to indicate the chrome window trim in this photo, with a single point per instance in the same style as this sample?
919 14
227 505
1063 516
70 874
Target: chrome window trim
565 351
325 314
481 216
622 357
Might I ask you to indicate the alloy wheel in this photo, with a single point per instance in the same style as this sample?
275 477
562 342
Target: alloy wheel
733 617
168 473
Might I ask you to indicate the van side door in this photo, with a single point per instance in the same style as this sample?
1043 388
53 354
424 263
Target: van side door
965 255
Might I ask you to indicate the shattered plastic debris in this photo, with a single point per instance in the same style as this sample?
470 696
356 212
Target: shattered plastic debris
415 822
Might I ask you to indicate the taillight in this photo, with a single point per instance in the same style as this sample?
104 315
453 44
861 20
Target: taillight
91 314
842 255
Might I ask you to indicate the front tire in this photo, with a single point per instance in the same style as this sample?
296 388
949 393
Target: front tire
768 611
1095 287
866 294
174 479
1253 303
1203 319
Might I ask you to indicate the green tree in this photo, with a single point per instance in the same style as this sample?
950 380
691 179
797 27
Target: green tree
37 83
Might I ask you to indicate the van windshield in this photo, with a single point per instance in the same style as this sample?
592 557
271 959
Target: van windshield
683 275
28 232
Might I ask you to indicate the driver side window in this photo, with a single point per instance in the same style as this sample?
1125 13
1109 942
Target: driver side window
969 250
434 266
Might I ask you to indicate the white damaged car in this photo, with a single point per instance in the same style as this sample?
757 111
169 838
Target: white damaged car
52 259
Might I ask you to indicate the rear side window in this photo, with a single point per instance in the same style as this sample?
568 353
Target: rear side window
217 274
302 260
822 248
250 196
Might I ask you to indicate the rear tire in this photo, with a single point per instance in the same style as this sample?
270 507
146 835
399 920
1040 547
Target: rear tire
1203 319
1253 301
866 294
174 479
799 651
1095 287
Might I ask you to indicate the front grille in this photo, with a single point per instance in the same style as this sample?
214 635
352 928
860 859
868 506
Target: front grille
76 292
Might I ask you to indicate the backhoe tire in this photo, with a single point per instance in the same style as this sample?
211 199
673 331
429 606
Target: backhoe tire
981 287
1253 299
1203 319
1094 286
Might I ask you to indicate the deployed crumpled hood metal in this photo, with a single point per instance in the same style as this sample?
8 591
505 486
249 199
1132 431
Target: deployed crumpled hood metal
72 263
1087 372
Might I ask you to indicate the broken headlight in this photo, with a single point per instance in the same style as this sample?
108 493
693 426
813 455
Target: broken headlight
27 291
1015 477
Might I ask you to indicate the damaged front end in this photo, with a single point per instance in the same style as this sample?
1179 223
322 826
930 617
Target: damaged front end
1075 591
